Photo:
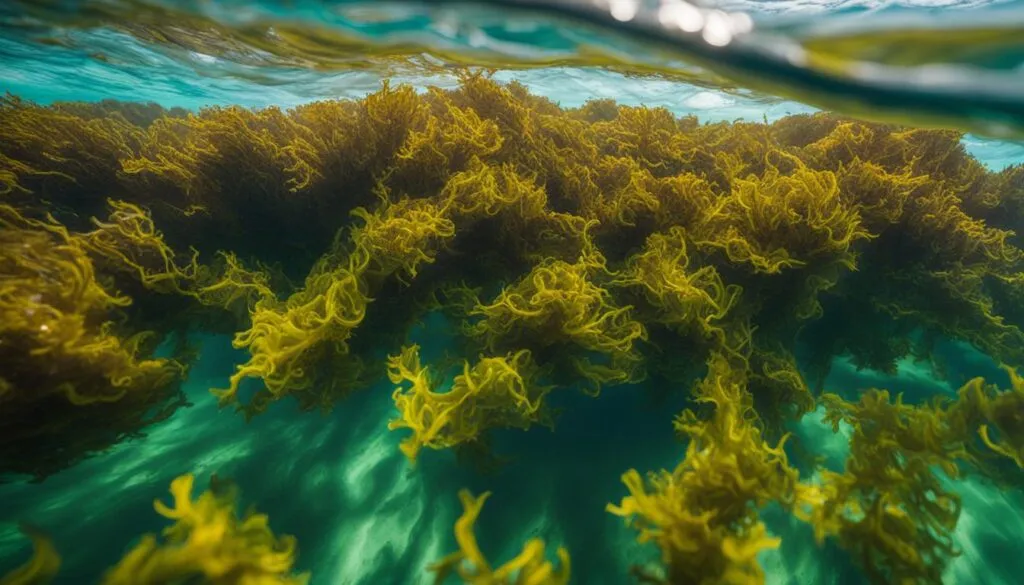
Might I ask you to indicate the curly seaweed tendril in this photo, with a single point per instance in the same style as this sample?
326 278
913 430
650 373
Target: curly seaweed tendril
470 564
209 542
703 515
495 392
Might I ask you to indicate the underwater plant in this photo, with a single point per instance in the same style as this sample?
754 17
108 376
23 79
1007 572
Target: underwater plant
703 514
690 301
40 568
58 158
585 248
208 543
529 567
778 221
995 415
495 392
287 339
558 304
74 380
890 507
771 208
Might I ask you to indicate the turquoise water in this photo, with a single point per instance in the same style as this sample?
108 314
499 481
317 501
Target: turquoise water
362 515
338 481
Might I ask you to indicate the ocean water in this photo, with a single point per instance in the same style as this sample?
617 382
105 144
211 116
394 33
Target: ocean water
227 227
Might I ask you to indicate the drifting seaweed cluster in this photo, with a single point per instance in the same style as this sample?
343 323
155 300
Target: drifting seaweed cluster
208 543
567 248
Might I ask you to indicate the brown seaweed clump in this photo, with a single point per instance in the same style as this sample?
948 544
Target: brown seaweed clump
495 392
74 380
582 248
704 514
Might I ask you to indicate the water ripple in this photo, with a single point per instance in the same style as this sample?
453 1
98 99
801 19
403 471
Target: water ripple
950 63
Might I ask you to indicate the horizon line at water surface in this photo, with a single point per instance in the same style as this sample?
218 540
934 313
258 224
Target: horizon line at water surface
256 54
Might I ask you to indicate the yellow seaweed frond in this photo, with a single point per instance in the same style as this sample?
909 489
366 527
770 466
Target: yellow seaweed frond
385 121
450 139
558 303
400 236
889 508
72 375
286 339
529 567
265 146
650 136
880 195
41 568
996 416
950 235
779 390
485 191
56 154
495 392
208 541
683 200
232 285
703 514
687 299
778 222
129 241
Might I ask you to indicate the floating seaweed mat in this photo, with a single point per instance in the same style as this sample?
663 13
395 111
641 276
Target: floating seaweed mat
566 248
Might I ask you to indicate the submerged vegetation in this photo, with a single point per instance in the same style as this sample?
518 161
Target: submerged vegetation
207 543
569 249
